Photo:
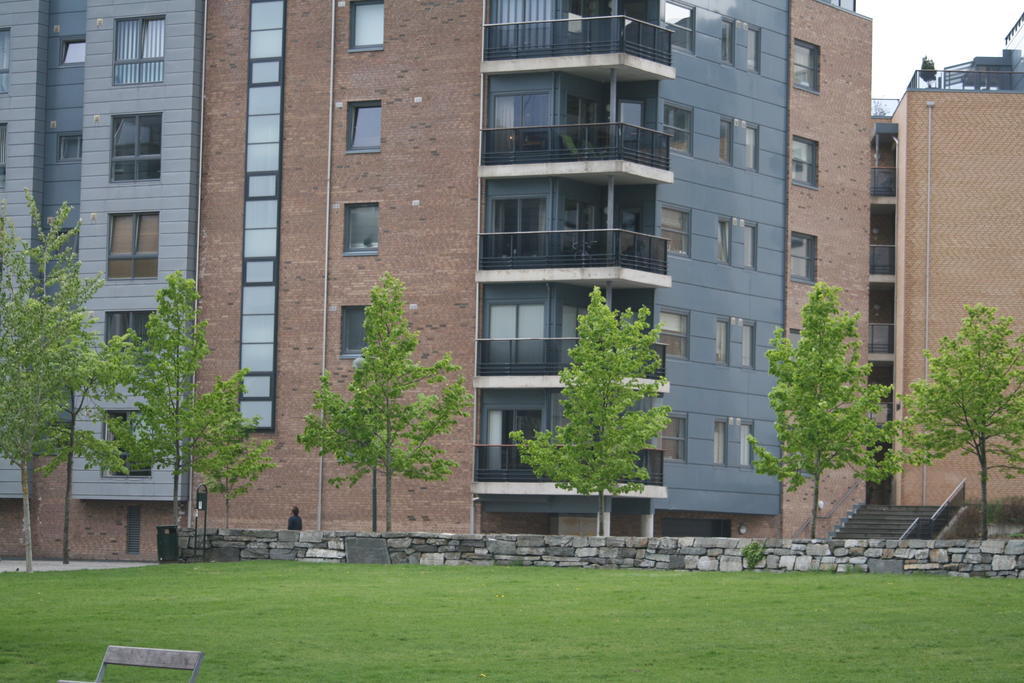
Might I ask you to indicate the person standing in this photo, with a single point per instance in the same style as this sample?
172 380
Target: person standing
295 522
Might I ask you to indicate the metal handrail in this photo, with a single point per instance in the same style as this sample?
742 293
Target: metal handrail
853 487
551 21
582 125
935 515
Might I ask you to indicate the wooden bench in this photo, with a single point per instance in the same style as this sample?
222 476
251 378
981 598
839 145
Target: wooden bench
151 658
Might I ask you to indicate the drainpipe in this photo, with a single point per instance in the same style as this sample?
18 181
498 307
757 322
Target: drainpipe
927 272
327 250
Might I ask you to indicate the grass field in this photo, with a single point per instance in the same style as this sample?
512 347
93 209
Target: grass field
289 621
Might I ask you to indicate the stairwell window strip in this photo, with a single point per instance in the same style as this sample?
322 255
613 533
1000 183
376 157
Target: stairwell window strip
3 155
719 442
5 59
746 450
139 51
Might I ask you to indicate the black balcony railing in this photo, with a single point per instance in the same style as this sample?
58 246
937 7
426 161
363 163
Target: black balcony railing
498 357
961 80
573 249
883 182
575 142
882 338
883 259
500 462
589 36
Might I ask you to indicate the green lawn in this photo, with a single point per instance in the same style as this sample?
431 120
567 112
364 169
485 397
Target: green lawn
289 621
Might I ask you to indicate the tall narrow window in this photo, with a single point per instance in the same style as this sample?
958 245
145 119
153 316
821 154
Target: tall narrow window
367 29
750 145
3 155
805 162
139 51
747 346
364 126
5 59
136 147
361 228
673 439
749 244
679 125
675 227
723 241
352 333
722 341
753 49
728 41
725 141
803 252
681 20
675 330
134 246
746 450
719 442
806 66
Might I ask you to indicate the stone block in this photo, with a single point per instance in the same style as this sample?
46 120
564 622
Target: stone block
841 552
325 553
223 554
586 552
367 551
817 549
677 562
530 540
690 562
282 553
502 547
1014 547
403 542
257 554
993 547
658 557
853 543
802 563
557 541
1001 563
786 562
730 563
336 544
616 542
311 536
707 564
938 555
530 550
432 559
879 566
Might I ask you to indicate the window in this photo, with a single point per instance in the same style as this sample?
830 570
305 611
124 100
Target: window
753 49
750 144
681 19
747 345
805 162
108 435
803 253
133 528
119 322
679 124
673 439
746 450
352 332
516 321
139 51
134 243
725 141
719 442
364 126
723 244
136 147
69 147
361 228
3 155
749 244
675 332
728 41
72 51
367 28
806 65
675 227
525 214
5 59
721 341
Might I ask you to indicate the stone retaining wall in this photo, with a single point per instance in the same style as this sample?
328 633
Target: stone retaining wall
1003 558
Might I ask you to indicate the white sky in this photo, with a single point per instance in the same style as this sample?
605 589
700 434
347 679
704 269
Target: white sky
948 31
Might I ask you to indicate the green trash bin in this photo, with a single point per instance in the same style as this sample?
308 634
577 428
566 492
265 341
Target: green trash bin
167 543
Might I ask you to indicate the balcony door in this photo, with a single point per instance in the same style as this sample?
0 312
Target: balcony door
500 423
512 11
521 329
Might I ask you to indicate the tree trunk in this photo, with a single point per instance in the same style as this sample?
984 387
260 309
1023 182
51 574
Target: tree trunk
814 506
227 511
26 514
373 500
174 494
983 461
387 497
65 545
601 531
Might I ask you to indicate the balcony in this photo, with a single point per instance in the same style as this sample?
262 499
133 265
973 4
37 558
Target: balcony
531 357
501 463
883 259
588 47
957 80
882 338
589 152
883 182
588 257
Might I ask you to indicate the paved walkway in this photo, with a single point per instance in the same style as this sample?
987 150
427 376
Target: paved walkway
9 565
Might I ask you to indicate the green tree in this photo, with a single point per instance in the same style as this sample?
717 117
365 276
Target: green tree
597 450
174 424
823 403
972 400
230 462
42 319
383 426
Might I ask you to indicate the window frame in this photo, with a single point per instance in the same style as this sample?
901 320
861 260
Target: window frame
135 255
685 234
5 58
61 138
673 130
689 44
720 441
683 335
746 450
347 350
728 41
811 164
353 21
722 341
65 43
353 109
134 320
814 68
679 450
748 353
726 137
140 61
136 158
751 159
811 259
754 51
749 234
723 241
363 250
3 155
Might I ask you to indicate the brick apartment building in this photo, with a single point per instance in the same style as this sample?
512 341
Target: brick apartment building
501 158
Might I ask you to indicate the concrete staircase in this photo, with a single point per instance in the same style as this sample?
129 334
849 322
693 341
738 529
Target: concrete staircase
890 521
